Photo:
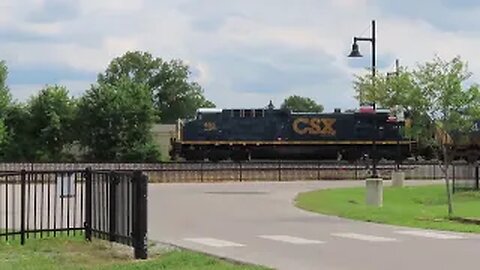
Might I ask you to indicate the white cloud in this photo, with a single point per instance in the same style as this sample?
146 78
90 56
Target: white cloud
22 92
249 37
125 6
76 87
350 4
203 77
119 45
42 28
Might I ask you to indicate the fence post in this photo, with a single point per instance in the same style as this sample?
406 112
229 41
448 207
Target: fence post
201 171
22 206
113 206
88 204
279 170
356 169
140 215
477 184
240 170
453 177
318 170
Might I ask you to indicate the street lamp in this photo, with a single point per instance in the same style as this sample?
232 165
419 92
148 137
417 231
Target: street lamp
356 53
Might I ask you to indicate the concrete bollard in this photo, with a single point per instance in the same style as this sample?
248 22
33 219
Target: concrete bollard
374 191
398 178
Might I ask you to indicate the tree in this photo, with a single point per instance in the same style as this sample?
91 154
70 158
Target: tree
51 113
370 89
452 106
116 120
438 101
5 100
400 89
175 97
20 141
301 104
173 94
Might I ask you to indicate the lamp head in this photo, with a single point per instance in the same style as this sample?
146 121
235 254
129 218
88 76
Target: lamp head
355 51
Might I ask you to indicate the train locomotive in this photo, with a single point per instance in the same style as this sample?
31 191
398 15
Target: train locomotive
269 133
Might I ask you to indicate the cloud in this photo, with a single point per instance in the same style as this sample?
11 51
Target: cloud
449 15
48 75
55 11
243 52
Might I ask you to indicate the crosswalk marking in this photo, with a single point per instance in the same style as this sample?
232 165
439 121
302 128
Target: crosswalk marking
291 239
430 234
364 237
213 242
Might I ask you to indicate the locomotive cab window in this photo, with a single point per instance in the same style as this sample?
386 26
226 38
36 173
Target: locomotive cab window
248 113
259 113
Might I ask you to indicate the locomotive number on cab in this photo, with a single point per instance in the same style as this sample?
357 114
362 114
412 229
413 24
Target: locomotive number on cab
314 126
209 126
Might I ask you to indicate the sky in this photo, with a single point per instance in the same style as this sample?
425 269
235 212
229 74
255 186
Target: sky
244 53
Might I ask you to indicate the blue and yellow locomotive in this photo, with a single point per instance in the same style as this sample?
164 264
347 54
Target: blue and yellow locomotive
244 134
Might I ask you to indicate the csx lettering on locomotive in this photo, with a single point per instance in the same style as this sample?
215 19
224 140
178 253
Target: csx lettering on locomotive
314 126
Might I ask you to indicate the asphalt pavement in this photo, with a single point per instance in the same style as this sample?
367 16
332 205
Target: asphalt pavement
256 222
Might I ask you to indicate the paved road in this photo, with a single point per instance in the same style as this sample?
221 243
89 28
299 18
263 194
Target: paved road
257 223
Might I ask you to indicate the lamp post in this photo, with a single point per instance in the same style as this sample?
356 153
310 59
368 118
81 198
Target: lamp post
356 53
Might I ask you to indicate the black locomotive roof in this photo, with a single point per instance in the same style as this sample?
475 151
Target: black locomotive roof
289 112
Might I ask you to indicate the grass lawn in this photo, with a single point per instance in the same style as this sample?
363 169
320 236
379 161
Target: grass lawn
421 206
69 254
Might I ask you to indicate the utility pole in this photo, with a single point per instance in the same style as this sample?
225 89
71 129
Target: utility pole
397 73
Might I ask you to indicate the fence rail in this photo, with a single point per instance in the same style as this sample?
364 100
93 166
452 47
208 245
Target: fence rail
254 170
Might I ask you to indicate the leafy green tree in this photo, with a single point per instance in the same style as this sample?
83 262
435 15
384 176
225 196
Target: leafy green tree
370 89
51 112
438 99
5 99
173 94
116 121
20 141
400 89
452 106
301 104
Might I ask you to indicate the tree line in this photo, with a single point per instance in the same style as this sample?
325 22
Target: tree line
112 120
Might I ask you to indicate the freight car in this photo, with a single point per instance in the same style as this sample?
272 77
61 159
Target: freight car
268 133
461 145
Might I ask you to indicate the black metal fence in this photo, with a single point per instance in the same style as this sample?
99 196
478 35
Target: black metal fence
118 208
278 170
465 178
106 205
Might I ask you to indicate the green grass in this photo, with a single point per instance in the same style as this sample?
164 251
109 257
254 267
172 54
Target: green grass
422 206
70 254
